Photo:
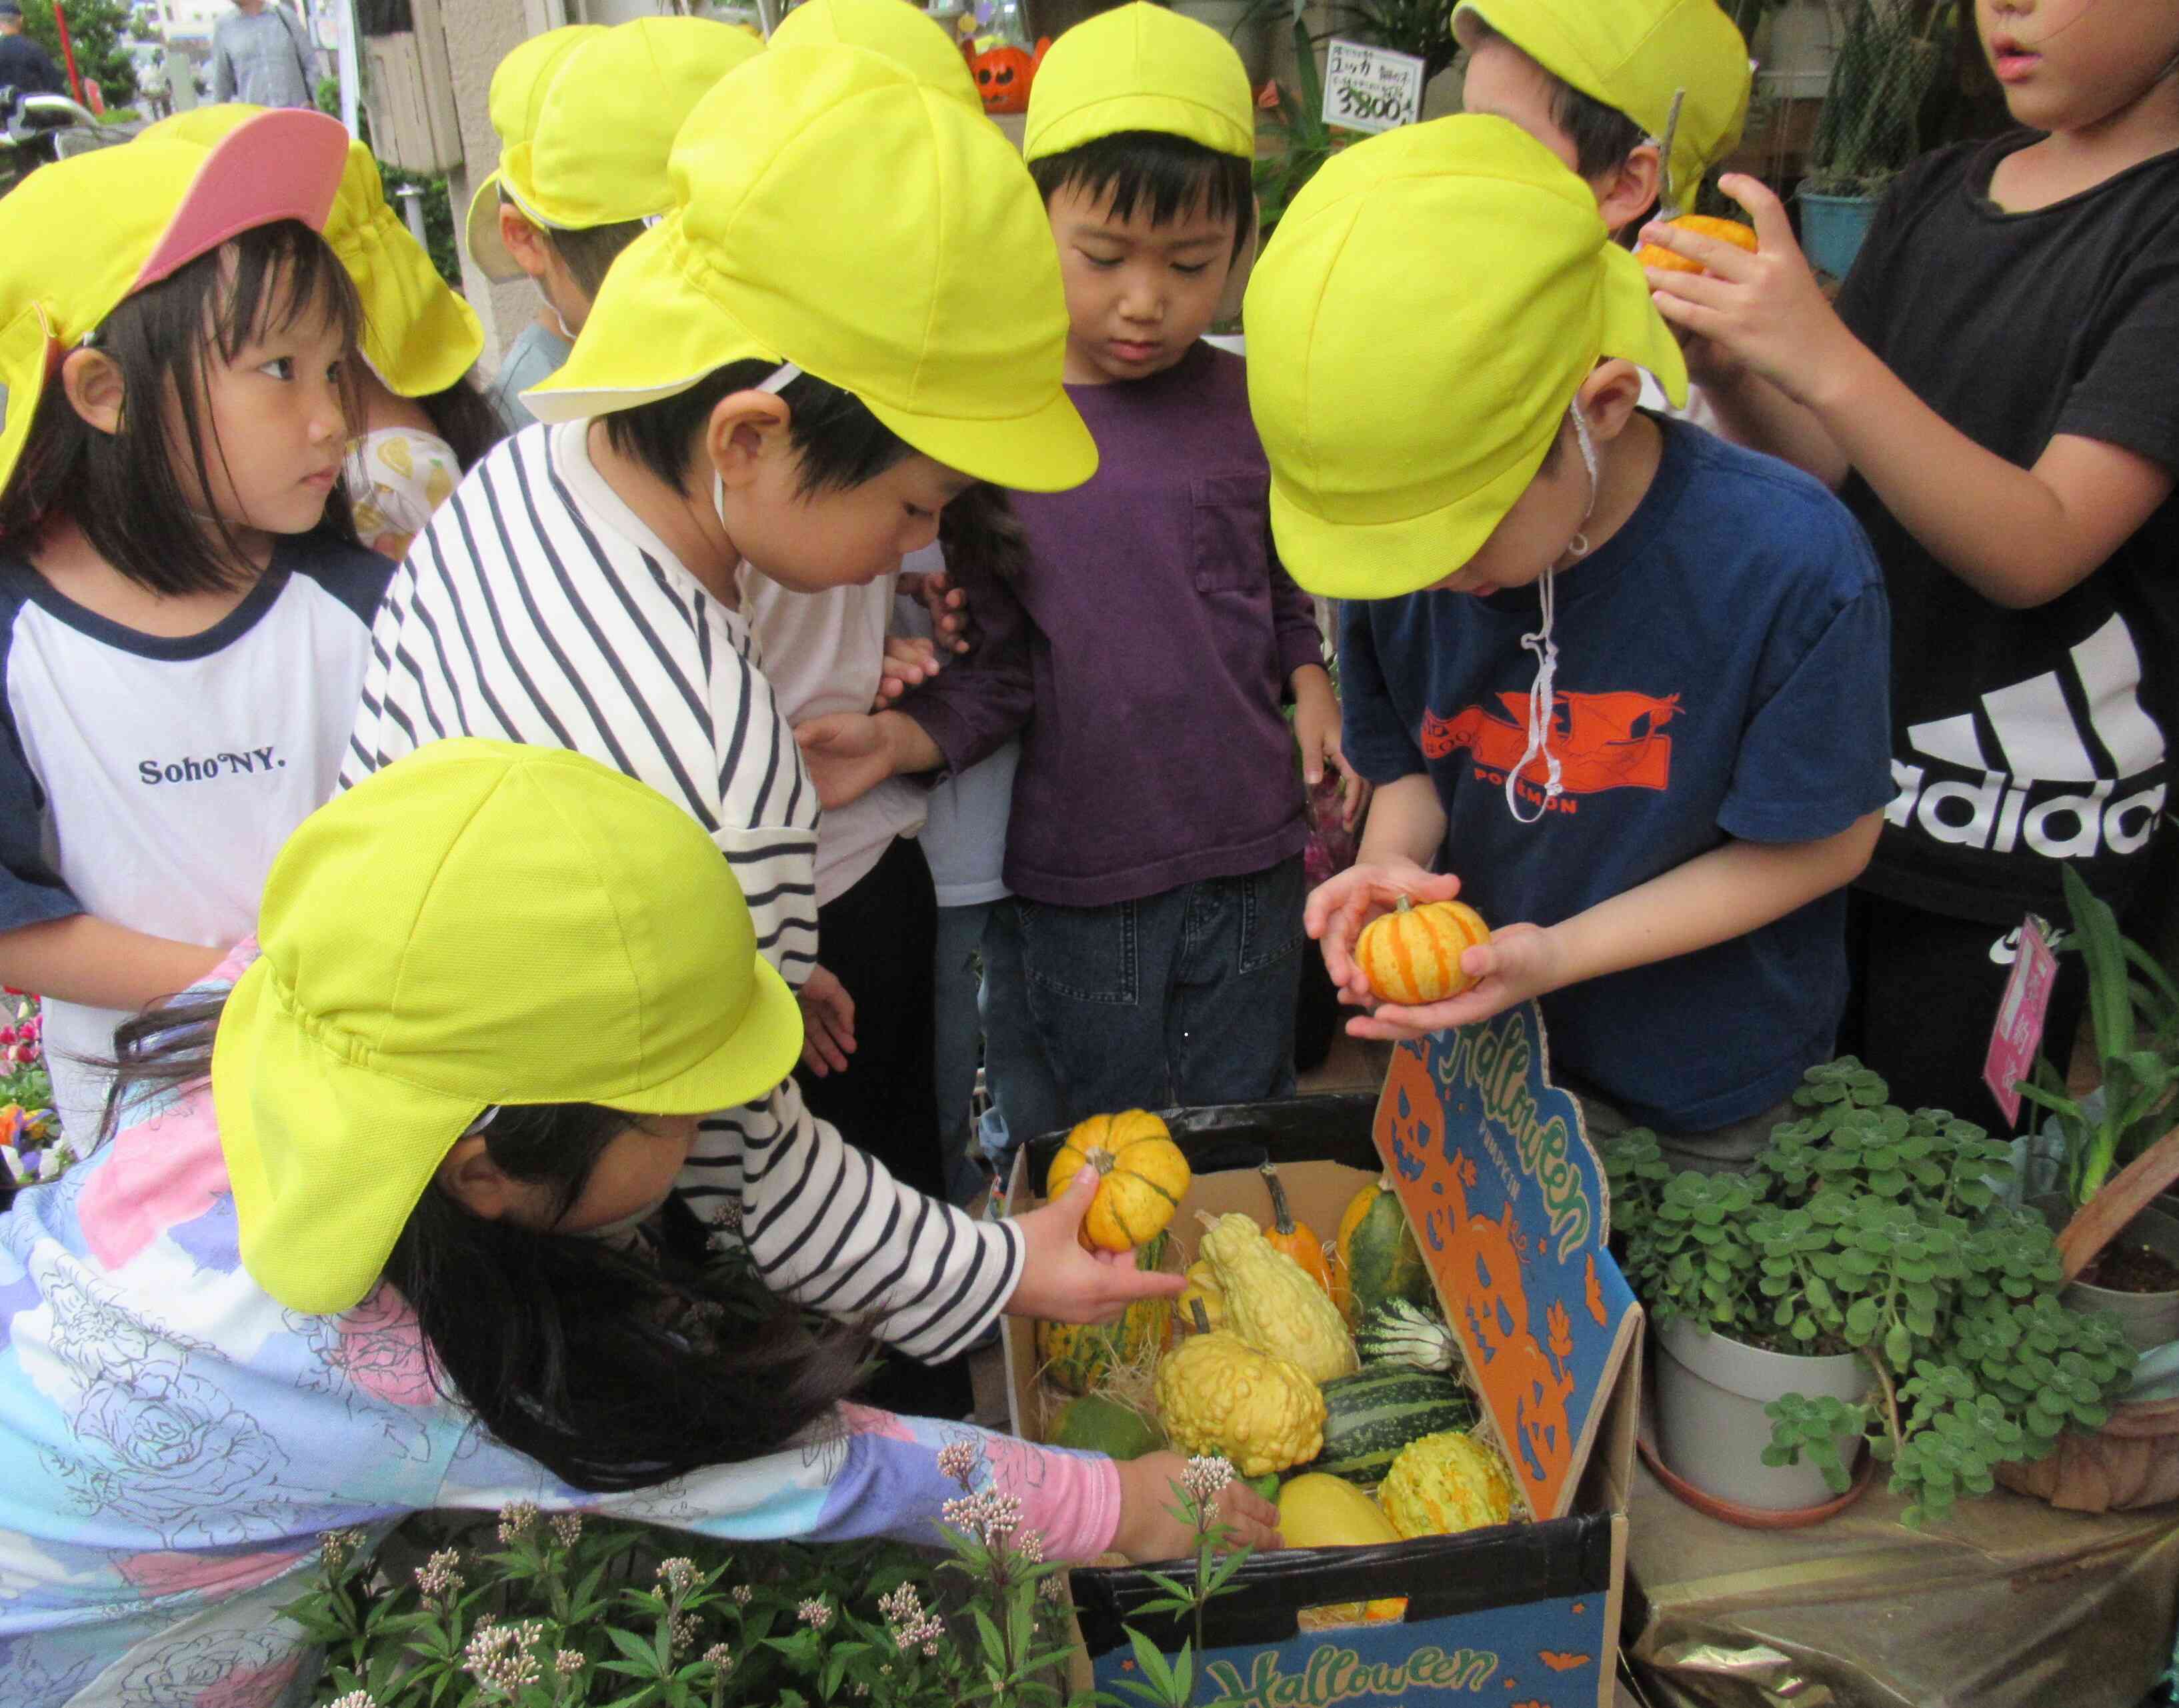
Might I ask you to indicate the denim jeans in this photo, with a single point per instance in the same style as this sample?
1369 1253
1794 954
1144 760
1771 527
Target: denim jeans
1180 998
957 1041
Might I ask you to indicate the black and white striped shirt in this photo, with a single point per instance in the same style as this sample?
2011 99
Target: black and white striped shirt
538 608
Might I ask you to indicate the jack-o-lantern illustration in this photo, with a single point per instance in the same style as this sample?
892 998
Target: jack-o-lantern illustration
1003 72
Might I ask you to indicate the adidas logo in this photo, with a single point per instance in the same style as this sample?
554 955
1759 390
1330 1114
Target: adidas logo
2035 743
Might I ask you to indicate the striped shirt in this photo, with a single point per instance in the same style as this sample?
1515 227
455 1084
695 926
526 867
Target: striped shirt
538 608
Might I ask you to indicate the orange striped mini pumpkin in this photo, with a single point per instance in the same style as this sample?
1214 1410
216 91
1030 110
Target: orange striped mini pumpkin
1411 955
1730 231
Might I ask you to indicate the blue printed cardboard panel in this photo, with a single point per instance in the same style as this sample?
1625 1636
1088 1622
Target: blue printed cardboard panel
1548 1654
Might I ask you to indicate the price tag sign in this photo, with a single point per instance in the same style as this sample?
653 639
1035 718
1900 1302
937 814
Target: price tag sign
2018 1033
1371 88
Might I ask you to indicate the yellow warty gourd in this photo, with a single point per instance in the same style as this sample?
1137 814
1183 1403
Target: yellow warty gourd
1217 1394
1443 1484
1270 1304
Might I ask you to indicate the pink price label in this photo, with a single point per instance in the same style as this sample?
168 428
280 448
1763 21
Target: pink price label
2018 1033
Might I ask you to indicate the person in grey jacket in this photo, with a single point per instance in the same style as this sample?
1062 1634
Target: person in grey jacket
261 54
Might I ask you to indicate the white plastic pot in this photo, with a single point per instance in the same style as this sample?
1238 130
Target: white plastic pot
1711 1427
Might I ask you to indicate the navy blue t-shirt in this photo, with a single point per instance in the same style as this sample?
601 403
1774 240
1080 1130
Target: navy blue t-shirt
1723 662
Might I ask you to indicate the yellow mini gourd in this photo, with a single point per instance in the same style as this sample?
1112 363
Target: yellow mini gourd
1218 1394
1316 1511
1143 1178
1202 1288
1443 1484
1270 1304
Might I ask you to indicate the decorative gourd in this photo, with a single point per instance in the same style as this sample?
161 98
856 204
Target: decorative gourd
1097 1423
1378 1258
1398 1332
1411 955
1730 231
1202 1287
1218 1394
1369 1418
1143 1178
1077 1356
1445 1483
1297 1239
1270 1304
1319 1512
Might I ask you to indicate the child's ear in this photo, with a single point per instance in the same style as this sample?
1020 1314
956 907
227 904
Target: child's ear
744 430
1629 189
469 1177
523 241
1237 276
92 382
1610 396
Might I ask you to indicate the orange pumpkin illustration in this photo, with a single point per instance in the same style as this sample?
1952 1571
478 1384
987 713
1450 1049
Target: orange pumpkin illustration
1003 73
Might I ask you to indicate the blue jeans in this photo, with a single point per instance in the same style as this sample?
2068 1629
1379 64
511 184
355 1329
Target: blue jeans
957 1038
1181 998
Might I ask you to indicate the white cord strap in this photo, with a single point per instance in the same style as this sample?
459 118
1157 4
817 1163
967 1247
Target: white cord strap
1541 693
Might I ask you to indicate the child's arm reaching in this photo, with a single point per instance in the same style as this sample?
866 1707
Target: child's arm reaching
2020 537
92 961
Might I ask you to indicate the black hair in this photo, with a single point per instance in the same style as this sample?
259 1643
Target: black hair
839 441
465 419
588 252
980 534
1168 176
124 489
1602 136
614 1369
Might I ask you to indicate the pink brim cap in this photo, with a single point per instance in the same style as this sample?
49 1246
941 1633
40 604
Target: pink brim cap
284 164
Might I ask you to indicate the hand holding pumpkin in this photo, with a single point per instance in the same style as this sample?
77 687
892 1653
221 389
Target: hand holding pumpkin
1063 1283
1765 310
1340 906
1520 961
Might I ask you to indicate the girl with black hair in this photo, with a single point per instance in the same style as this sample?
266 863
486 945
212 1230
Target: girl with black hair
349 1250
185 607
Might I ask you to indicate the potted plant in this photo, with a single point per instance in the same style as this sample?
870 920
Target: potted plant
2134 1012
1889 54
1872 1248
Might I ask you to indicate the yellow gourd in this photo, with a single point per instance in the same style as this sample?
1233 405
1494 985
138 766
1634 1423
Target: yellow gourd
1218 1394
1202 1288
1270 1304
1443 1484
1317 1511
1143 1178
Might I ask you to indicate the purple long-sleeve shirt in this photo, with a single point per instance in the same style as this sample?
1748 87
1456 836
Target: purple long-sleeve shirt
1144 654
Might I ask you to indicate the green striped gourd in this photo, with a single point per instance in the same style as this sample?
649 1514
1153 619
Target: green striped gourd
1368 1418
1077 1356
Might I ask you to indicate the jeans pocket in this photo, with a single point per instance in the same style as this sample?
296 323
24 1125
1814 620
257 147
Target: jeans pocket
1270 914
1089 954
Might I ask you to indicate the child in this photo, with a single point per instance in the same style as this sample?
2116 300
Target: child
580 588
186 610
333 1284
1653 800
1992 392
586 116
424 421
1152 949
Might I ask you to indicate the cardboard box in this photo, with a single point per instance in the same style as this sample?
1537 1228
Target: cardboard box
1490 1160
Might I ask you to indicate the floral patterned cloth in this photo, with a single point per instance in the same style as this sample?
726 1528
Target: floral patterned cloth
173 1442
396 477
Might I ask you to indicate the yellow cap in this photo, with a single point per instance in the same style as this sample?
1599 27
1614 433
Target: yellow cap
1140 67
904 34
478 924
79 236
1417 328
1634 55
789 177
418 335
515 102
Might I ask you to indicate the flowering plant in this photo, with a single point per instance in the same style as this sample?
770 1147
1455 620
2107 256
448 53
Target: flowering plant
31 1148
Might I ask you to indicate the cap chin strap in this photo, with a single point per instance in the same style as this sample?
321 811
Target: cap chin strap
490 1114
781 377
1547 652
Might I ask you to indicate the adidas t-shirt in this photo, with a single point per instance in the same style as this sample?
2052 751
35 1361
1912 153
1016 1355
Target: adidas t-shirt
2024 740
149 780
1721 668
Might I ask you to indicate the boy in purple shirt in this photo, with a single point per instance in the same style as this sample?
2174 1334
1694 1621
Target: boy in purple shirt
1151 954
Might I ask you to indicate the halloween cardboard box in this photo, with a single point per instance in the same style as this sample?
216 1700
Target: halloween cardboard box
1508 1203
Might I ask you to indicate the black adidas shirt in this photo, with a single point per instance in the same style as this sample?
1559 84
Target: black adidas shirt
2024 739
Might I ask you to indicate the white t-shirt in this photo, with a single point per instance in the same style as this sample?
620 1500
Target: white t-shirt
825 652
149 780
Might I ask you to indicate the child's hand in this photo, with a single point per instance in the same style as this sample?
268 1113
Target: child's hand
1519 962
828 1023
847 755
1338 908
909 660
1316 735
948 604
1147 1530
1062 1282
1764 311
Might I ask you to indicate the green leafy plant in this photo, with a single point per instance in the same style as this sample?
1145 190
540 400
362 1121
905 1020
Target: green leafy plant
99 31
1304 140
1172 1684
1891 55
2133 1009
1864 1229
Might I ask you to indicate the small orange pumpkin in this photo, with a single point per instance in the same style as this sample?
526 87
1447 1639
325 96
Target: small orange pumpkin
1411 955
1295 1239
1730 231
1144 1178
1003 73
